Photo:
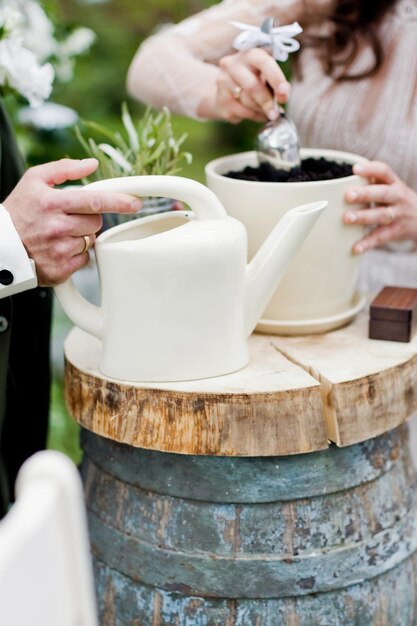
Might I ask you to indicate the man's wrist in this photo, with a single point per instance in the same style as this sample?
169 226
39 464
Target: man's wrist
17 271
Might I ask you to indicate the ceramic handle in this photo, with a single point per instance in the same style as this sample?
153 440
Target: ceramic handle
204 203
82 313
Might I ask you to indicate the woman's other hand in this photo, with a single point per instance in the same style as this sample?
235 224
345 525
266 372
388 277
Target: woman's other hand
394 207
247 85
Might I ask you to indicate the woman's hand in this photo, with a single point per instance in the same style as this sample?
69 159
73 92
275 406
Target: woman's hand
394 213
246 88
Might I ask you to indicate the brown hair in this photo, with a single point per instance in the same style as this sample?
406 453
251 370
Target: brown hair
352 21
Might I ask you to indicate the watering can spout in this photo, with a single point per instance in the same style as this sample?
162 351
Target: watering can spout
269 264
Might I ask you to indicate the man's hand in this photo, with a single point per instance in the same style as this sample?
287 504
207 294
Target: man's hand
52 223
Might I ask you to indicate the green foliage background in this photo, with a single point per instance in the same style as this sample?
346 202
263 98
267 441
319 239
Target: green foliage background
98 88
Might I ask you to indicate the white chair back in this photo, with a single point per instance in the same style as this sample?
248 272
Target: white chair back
45 569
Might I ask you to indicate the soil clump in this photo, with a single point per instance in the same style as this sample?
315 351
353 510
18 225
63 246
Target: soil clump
310 170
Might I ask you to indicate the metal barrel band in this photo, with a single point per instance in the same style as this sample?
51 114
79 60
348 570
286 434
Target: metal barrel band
359 604
256 577
266 479
276 529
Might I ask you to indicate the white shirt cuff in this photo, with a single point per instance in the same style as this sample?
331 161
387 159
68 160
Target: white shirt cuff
16 269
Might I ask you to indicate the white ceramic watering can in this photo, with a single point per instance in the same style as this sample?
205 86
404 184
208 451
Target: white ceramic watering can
178 298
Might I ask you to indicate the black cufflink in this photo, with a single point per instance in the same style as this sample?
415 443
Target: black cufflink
6 277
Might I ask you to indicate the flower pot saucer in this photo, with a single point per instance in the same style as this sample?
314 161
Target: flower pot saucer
313 326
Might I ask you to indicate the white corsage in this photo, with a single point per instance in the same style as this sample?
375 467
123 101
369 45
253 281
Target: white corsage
279 39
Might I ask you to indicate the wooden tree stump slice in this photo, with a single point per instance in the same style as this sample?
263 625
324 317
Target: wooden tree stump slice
295 395
271 407
368 386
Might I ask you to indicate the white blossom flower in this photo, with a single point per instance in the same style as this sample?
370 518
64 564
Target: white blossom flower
38 35
64 69
49 116
75 44
10 19
20 70
27 41
78 42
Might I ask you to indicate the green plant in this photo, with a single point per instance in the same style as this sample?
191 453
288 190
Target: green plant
147 147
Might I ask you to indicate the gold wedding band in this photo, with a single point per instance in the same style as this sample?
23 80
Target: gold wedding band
390 215
237 92
87 242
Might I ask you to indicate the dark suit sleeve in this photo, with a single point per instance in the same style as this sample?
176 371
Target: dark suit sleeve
25 401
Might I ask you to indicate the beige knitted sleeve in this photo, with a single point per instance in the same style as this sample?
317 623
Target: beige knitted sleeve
178 65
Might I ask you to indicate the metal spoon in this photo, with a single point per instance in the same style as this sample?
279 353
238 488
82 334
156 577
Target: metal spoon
277 142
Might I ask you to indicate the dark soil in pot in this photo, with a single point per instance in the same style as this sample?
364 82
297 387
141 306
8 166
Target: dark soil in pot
310 170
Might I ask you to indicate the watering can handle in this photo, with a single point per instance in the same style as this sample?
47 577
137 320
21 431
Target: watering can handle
204 203
81 312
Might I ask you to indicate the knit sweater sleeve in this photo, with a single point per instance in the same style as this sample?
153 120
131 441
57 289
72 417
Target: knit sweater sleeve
178 65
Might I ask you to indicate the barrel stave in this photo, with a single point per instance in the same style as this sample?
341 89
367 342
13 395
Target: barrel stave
344 554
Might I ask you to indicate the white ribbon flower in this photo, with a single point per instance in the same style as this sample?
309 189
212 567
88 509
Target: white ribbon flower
279 39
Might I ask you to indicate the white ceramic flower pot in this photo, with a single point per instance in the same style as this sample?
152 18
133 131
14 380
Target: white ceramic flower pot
318 291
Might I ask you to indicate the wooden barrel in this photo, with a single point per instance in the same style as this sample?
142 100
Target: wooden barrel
321 539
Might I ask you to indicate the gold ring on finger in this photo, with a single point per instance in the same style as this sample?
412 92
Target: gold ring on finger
237 92
390 215
87 243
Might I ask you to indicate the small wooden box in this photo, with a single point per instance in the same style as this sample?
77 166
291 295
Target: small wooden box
393 314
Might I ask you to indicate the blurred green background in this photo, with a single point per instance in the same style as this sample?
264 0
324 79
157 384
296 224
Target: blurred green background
96 93
98 87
